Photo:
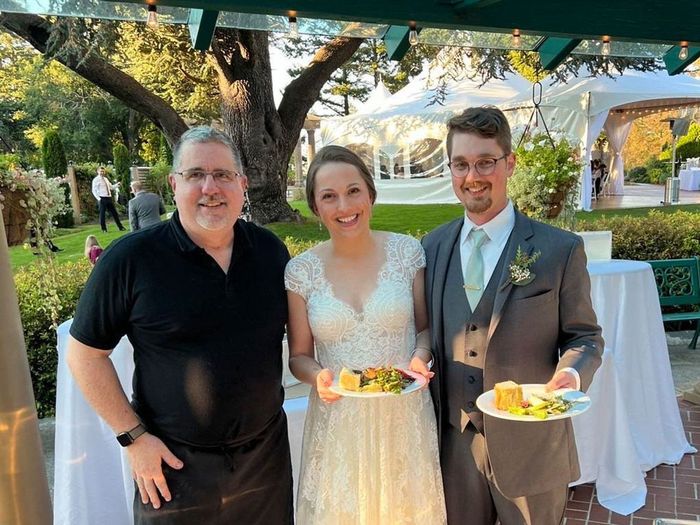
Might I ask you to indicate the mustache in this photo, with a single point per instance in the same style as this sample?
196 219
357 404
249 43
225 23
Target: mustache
211 200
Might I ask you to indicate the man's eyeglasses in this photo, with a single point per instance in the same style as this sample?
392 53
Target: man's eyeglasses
484 166
219 176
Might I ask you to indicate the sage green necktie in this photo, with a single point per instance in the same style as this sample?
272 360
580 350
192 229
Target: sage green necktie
474 272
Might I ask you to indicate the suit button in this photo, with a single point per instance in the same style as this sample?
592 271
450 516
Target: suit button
471 379
472 327
470 404
472 353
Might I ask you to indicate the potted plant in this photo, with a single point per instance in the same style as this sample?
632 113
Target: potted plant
546 177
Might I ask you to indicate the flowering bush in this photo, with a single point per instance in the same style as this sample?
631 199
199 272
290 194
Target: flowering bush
42 198
546 178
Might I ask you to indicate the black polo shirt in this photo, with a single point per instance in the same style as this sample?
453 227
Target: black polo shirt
207 344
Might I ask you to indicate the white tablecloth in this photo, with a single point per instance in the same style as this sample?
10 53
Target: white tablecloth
632 426
690 179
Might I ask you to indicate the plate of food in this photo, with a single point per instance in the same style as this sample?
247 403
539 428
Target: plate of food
509 400
376 382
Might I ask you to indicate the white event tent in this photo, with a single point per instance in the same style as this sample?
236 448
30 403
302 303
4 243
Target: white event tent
401 138
583 107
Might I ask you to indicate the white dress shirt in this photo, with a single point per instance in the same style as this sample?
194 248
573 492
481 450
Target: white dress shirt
498 231
101 187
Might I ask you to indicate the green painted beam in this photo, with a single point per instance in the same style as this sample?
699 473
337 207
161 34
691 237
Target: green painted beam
553 51
464 5
675 65
201 24
396 42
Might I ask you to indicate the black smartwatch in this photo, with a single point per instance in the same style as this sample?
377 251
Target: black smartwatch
127 438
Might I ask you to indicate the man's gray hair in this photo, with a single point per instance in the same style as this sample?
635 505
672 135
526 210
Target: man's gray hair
136 186
202 135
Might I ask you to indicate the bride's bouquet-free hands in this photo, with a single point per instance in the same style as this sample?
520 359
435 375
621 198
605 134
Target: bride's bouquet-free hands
324 379
420 360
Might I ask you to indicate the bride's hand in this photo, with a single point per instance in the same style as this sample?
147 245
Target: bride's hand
420 367
324 379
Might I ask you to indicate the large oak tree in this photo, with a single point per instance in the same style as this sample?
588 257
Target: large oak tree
266 134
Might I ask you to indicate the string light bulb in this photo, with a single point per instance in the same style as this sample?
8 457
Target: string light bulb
515 39
607 46
683 53
412 34
152 16
293 27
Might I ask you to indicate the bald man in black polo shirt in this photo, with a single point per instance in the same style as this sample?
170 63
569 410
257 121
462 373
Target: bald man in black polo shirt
201 298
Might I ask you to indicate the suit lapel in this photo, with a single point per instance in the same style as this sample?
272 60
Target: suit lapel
522 231
442 260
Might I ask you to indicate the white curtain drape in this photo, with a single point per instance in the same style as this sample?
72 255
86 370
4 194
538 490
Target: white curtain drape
595 125
617 131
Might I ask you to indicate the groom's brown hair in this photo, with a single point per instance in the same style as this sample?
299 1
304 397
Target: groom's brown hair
485 121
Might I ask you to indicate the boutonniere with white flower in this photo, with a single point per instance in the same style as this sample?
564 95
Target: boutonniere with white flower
519 268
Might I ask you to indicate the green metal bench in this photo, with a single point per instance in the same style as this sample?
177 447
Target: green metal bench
678 284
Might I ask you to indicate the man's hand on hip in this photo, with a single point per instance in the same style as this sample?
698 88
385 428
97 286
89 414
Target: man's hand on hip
146 456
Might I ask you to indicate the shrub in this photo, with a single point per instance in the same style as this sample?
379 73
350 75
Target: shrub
157 181
39 333
165 154
658 170
638 174
54 156
657 236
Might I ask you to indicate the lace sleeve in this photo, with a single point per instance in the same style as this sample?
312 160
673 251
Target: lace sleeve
411 255
297 277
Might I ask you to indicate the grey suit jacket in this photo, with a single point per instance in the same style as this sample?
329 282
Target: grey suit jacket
535 330
145 210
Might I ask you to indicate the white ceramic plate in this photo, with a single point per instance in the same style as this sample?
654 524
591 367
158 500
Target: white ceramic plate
487 404
419 382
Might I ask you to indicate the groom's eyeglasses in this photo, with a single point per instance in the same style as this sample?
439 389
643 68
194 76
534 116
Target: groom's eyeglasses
197 175
484 167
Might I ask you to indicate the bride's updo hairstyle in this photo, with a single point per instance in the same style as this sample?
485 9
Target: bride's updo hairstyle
336 154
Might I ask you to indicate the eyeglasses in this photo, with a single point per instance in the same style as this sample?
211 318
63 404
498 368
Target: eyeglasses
219 176
484 166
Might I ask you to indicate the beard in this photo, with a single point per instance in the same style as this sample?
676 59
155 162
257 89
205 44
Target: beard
479 206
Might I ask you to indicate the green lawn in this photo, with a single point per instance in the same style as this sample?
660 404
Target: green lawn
403 218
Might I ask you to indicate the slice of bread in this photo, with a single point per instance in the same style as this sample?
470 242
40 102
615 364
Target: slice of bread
349 380
508 394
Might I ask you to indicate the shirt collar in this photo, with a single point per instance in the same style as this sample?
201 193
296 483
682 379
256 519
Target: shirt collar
497 228
241 235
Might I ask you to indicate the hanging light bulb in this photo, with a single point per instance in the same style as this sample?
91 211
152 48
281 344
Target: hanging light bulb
293 27
412 34
607 46
683 53
152 17
515 40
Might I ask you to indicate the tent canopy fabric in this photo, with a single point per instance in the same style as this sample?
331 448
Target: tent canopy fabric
584 106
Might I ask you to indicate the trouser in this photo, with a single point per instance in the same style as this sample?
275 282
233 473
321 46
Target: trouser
107 205
250 484
472 497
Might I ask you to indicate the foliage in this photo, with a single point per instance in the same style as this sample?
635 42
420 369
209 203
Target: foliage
53 155
543 173
656 236
42 197
638 174
165 153
689 145
158 181
121 168
38 320
658 171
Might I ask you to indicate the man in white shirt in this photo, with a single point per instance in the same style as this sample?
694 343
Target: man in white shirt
508 299
102 189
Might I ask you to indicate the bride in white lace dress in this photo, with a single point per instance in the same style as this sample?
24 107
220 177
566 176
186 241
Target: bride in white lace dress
359 299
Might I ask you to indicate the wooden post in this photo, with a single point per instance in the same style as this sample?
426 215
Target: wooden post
74 197
24 489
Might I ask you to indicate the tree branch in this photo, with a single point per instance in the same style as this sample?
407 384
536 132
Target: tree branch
36 31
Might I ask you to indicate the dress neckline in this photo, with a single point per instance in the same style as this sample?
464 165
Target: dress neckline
370 296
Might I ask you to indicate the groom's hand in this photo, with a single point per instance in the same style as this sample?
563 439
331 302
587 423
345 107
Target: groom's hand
146 456
324 379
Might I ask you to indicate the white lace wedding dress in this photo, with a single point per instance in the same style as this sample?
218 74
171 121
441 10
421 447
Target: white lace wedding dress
367 461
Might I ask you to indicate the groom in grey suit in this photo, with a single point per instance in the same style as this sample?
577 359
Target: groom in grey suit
524 318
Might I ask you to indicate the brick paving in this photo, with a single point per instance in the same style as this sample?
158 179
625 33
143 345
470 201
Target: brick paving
673 491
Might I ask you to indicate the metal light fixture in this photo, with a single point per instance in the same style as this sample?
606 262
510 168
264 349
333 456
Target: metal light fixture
515 40
152 17
412 34
607 46
293 27
683 53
